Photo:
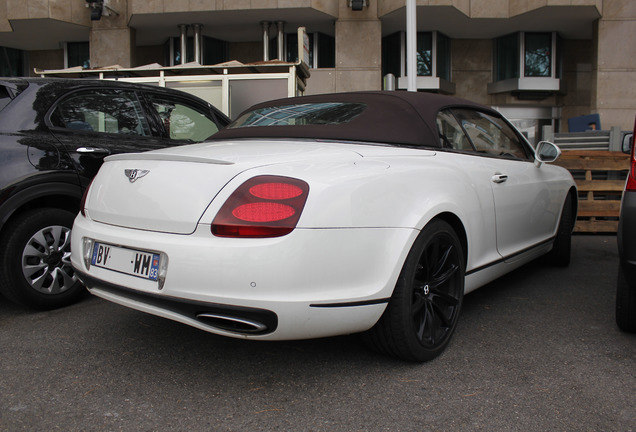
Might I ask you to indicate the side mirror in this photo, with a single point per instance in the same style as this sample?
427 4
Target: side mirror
626 147
546 152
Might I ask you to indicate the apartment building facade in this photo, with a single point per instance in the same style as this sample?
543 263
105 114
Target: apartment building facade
541 62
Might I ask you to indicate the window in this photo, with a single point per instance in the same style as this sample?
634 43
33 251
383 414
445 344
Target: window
322 49
490 134
538 55
527 64
107 111
475 131
183 122
526 55
11 62
172 51
451 134
433 59
507 57
424 54
326 51
292 47
443 56
78 54
301 115
392 55
214 51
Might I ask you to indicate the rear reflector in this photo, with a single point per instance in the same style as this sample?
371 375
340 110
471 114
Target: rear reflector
263 206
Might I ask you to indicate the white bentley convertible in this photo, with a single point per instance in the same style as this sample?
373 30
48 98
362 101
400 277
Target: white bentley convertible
324 215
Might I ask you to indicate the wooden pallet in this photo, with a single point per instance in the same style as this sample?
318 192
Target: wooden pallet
600 178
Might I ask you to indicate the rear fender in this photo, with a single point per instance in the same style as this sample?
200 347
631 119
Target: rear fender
374 194
18 197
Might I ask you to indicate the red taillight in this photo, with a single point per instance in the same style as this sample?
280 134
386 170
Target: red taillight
631 179
264 206
276 191
263 212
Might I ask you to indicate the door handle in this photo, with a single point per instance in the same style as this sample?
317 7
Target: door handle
92 150
499 178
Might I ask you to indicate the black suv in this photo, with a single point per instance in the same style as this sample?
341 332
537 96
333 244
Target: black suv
54 134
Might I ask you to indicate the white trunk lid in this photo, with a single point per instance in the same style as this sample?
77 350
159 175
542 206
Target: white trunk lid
169 190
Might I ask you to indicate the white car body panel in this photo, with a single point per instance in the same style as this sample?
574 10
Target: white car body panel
528 203
361 196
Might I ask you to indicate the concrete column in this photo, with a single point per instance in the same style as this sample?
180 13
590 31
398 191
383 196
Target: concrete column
265 26
358 49
613 95
112 47
183 42
112 42
280 39
198 42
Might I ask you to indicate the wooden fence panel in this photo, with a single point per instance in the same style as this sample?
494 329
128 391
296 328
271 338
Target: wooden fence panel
600 178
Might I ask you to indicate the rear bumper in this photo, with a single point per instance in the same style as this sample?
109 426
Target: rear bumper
296 321
310 283
241 320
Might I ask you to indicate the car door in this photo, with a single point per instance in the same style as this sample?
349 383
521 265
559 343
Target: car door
526 211
97 122
527 205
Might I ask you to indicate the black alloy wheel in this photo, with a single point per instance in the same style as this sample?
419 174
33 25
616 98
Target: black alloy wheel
35 252
424 309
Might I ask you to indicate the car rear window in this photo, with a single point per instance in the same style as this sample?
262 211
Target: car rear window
332 113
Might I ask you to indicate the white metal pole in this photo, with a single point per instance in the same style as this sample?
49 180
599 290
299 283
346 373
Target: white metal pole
411 45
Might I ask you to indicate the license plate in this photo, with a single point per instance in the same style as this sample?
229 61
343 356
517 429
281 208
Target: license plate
123 260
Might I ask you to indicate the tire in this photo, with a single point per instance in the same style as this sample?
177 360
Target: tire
424 309
625 303
562 246
35 254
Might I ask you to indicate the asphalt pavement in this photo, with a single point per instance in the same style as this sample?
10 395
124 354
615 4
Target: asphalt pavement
538 350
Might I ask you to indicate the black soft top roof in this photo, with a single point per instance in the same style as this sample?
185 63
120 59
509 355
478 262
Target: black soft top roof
394 117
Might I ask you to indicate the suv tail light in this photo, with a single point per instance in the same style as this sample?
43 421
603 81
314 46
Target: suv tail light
263 206
631 177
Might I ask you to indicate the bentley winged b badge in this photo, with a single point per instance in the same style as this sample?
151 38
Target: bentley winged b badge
134 174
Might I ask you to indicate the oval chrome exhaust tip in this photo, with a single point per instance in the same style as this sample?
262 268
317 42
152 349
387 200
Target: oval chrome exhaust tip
230 323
